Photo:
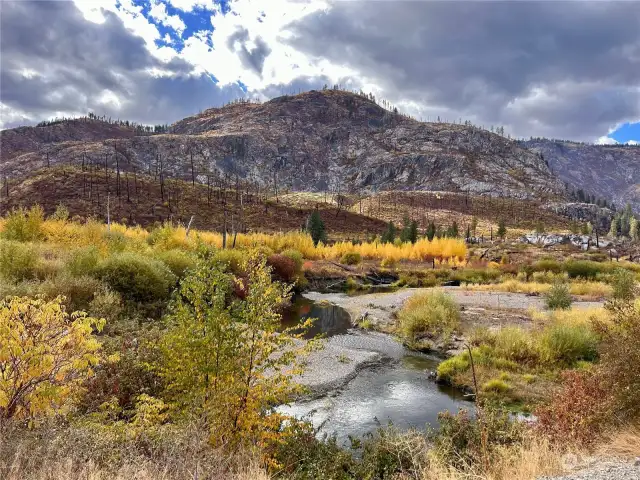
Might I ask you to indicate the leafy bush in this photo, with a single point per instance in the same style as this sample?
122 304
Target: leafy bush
231 259
558 297
566 344
624 285
578 411
178 261
116 241
24 226
388 262
136 277
351 258
296 256
83 261
429 314
17 261
585 269
283 268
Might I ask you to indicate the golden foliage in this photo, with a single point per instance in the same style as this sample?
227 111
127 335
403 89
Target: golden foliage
45 354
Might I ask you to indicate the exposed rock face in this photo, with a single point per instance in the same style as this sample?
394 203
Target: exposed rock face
548 240
606 171
329 140
584 212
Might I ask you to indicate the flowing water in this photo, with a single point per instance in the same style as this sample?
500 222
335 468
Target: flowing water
397 391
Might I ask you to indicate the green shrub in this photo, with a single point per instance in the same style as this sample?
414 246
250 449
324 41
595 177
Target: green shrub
116 241
105 304
351 258
24 226
17 261
547 265
566 344
496 385
558 297
83 261
585 269
429 314
136 277
476 275
624 285
178 261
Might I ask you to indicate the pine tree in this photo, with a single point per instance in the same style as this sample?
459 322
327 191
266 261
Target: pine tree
389 234
452 231
502 229
474 225
315 227
431 231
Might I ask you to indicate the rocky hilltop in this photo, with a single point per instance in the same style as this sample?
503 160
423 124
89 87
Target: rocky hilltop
314 141
611 172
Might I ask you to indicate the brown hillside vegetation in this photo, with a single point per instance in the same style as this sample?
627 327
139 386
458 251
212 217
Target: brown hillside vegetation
141 199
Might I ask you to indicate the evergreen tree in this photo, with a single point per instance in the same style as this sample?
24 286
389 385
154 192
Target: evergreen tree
502 229
315 227
431 231
452 231
389 234
409 231
634 229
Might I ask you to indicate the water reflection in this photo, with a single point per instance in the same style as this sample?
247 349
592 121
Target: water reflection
329 319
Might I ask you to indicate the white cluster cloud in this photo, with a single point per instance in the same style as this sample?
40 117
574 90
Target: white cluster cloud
401 51
159 12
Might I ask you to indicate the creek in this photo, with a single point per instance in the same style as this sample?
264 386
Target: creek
397 389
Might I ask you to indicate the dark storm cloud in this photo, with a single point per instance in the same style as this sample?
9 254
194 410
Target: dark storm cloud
483 59
254 58
53 60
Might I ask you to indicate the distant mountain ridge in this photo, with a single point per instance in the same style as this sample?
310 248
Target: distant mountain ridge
610 172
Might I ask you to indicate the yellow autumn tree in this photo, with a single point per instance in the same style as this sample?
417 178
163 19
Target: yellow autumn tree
45 355
224 358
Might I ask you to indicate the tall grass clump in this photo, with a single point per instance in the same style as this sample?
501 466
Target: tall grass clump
429 315
566 344
558 297
136 277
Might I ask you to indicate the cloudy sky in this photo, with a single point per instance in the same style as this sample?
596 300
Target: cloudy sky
545 68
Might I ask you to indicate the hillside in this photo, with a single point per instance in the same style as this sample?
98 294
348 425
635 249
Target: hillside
316 141
141 200
610 172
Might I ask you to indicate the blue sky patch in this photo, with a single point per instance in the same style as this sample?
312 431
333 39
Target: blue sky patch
628 131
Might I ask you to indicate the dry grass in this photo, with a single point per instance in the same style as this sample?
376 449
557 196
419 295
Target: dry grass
535 458
623 443
586 290
59 452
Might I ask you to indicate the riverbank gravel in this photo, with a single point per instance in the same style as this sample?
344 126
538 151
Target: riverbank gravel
606 470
